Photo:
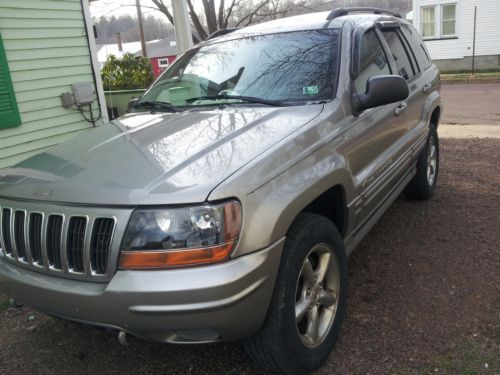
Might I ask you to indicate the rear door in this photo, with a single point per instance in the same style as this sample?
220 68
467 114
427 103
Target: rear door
427 79
407 68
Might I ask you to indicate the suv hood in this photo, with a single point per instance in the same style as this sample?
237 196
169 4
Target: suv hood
162 158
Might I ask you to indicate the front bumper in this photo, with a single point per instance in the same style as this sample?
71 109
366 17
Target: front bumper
226 301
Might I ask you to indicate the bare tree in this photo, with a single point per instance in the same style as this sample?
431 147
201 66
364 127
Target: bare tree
209 17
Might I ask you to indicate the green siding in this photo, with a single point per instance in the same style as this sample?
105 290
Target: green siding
47 50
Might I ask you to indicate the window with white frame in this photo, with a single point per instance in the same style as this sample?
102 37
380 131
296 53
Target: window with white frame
163 63
438 21
448 20
428 21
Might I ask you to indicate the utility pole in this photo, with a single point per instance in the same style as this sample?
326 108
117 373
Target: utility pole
182 27
141 28
474 41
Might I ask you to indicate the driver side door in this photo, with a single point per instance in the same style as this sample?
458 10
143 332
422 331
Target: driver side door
376 134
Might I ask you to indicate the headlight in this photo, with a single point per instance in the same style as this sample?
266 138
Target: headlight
159 238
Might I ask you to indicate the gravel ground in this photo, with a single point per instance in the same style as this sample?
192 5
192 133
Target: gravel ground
424 296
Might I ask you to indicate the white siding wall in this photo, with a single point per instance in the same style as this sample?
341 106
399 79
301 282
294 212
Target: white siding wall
487 30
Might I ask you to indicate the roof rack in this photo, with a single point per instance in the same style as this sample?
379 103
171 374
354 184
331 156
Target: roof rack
339 12
221 32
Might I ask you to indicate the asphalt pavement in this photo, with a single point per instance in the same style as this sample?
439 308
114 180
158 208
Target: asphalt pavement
471 104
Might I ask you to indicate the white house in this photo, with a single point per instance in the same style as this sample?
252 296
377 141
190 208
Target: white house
447 27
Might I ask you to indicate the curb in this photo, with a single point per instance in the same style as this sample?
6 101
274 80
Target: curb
469 131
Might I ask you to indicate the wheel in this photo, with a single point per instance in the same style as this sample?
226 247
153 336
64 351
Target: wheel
422 186
309 300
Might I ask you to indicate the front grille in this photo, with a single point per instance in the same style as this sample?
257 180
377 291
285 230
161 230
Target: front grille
6 238
54 239
19 237
101 239
57 242
35 237
76 238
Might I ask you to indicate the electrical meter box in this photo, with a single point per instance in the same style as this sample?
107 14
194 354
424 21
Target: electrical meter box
83 93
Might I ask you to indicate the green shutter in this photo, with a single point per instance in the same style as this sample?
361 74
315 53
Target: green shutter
9 113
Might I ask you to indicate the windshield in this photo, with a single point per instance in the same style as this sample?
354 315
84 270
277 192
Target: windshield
293 67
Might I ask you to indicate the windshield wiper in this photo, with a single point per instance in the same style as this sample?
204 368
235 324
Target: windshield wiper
249 99
156 106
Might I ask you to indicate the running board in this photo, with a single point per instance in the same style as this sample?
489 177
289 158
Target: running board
353 241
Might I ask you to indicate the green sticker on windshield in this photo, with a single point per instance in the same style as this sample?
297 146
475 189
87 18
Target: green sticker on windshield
310 90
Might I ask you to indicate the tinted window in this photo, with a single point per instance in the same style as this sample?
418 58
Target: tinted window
403 63
417 46
294 66
372 61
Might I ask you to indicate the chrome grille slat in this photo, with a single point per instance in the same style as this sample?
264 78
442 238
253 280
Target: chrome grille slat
29 258
45 257
66 241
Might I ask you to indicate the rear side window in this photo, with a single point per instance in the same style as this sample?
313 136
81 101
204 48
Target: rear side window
372 61
418 47
400 54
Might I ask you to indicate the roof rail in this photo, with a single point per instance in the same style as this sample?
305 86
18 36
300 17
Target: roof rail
221 32
339 12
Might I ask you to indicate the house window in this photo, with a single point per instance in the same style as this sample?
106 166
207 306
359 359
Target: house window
163 63
9 112
428 21
448 20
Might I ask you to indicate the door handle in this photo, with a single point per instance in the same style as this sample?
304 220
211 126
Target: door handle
400 108
427 87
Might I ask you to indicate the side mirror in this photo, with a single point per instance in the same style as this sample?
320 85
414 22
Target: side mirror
131 104
381 90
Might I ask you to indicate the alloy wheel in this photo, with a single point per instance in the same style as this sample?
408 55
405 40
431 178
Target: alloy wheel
317 295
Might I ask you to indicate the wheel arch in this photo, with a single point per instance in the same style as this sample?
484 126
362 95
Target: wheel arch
435 116
332 205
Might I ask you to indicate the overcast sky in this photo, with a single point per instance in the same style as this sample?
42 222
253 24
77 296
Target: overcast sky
120 7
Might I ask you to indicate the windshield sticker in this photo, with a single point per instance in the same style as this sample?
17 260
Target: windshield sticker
310 90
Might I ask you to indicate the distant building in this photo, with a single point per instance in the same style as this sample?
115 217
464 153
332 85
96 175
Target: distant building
161 52
448 30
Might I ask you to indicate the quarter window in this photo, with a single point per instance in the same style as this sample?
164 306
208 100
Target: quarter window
372 61
428 21
417 46
448 20
403 63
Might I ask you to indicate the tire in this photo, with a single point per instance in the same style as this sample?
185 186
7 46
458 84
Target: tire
422 186
282 344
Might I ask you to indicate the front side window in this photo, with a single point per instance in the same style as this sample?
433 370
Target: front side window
296 67
448 20
428 21
372 61
399 54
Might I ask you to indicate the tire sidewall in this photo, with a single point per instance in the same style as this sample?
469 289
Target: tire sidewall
319 230
432 134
